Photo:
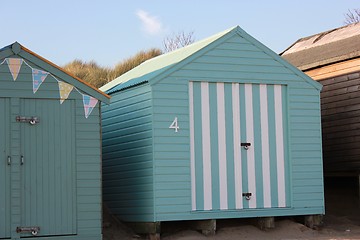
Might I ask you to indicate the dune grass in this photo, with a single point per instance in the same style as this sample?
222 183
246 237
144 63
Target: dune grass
97 75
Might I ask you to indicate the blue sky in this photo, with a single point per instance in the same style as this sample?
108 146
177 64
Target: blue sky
108 31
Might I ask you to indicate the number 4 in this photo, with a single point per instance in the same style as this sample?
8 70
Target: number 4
174 125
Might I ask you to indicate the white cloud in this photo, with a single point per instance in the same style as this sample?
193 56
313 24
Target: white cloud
151 24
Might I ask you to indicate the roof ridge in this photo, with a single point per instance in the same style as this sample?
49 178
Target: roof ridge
160 63
18 49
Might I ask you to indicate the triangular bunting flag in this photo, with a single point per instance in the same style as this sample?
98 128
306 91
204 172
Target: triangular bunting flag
14 65
89 104
65 90
38 78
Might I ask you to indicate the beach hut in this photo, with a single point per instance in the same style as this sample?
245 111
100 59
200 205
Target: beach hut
50 150
222 128
333 59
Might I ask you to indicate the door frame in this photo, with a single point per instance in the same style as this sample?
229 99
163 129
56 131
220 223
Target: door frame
5 167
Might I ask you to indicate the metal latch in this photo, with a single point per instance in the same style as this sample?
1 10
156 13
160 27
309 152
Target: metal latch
33 230
247 195
245 145
31 120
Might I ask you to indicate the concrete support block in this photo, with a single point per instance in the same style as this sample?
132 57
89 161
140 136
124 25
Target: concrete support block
313 221
207 227
154 236
266 223
146 227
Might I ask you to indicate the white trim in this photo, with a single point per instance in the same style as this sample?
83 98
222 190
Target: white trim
206 145
237 147
192 146
250 139
265 145
279 145
222 146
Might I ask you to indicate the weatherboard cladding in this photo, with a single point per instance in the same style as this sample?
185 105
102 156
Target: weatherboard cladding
128 154
332 58
69 201
234 60
340 110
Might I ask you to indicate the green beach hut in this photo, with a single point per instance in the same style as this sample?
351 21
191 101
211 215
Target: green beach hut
222 128
50 150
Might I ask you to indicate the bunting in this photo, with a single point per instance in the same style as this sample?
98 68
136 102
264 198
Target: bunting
89 104
65 90
14 65
39 77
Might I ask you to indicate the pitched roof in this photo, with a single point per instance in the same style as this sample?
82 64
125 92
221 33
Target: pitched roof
325 48
155 67
158 65
22 51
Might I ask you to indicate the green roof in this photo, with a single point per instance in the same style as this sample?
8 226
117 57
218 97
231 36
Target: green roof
155 66
151 69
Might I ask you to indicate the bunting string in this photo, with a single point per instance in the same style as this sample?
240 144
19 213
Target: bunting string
39 76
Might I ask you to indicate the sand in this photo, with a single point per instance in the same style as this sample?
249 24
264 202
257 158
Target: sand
342 221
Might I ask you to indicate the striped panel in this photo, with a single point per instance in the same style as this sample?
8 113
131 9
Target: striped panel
221 145
237 152
192 150
222 116
279 145
206 152
265 145
250 139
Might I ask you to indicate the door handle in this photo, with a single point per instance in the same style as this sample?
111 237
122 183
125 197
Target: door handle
247 195
245 145
22 160
8 160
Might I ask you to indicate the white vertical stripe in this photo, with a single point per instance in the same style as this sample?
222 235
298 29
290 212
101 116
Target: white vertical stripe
222 146
279 145
206 151
250 139
237 153
265 145
192 147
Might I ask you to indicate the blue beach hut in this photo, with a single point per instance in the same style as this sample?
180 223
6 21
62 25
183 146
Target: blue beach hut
222 128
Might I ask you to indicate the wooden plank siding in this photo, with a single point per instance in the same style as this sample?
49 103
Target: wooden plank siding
86 151
128 153
340 110
235 60
334 70
172 149
153 113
